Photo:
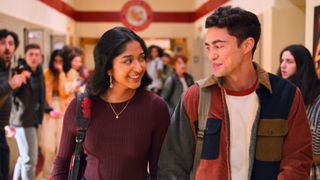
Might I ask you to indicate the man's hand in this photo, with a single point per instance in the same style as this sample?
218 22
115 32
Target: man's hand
10 131
59 67
17 80
55 114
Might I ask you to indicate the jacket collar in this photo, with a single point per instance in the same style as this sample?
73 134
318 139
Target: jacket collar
263 78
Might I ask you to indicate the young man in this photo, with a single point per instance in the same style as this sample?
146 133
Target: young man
256 127
28 107
8 44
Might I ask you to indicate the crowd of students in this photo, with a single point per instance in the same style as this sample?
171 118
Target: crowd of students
258 125
32 97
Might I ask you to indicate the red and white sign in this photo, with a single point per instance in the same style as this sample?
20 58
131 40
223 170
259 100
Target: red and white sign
136 15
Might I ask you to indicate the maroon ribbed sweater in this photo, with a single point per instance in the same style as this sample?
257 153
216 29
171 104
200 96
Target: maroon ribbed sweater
118 149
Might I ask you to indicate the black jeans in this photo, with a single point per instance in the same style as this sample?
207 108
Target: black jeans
4 156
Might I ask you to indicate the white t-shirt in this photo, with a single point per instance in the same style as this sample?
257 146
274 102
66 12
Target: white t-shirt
242 112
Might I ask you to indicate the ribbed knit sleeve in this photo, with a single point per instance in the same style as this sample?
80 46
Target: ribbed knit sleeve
67 144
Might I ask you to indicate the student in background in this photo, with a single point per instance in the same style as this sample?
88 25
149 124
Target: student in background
177 83
167 69
154 68
9 43
297 66
55 80
28 107
71 67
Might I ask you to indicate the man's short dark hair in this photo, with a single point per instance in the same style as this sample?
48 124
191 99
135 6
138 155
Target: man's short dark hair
5 33
240 23
31 46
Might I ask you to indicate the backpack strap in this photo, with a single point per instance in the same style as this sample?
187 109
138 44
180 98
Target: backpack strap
203 111
83 121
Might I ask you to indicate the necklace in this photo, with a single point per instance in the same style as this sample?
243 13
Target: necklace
118 114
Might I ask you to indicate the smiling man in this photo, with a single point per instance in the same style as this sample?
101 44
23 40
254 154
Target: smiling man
256 127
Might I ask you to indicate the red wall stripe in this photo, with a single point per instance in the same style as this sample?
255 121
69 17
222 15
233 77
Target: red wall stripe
92 16
61 7
207 7
173 17
108 16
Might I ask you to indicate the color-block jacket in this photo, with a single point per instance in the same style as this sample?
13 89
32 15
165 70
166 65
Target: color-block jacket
280 145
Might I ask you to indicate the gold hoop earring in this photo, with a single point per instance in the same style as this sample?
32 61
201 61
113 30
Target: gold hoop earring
110 82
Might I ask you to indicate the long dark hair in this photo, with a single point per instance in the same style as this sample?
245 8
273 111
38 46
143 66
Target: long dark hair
305 77
54 54
150 48
70 53
111 44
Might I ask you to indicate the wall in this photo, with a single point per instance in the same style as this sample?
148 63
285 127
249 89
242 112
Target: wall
288 27
156 5
33 14
155 30
310 4
36 12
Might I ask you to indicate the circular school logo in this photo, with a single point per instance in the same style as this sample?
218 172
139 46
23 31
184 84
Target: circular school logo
136 15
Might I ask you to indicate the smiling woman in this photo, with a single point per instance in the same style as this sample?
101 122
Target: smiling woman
128 123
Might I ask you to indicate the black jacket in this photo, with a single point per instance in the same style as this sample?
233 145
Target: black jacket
5 94
173 89
23 112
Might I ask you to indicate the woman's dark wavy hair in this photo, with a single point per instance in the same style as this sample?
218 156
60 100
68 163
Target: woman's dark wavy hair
70 53
305 77
111 44
160 51
240 23
54 54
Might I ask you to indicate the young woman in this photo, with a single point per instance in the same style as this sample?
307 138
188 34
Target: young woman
177 83
71 68
55 80
167 69
296 65
128 123
154 68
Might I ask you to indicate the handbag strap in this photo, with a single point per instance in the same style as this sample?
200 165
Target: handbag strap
203 111
83 124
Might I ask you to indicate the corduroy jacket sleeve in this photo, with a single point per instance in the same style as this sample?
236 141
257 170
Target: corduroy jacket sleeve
297 148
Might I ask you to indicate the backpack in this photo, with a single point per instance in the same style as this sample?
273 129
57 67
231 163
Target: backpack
83 117
203 110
